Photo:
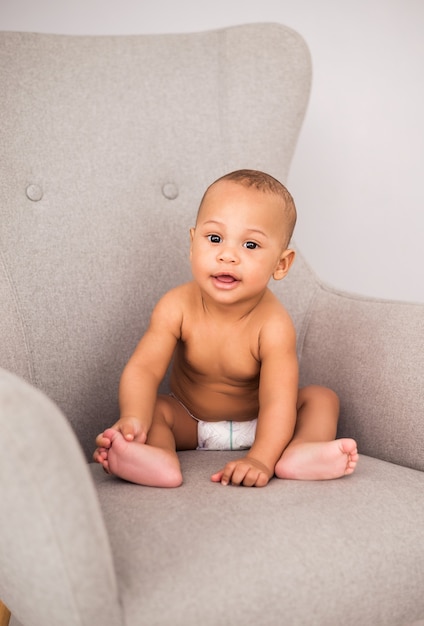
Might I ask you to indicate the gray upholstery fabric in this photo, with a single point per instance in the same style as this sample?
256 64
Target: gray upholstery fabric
107 146
371 352
120 136
327 553
56 564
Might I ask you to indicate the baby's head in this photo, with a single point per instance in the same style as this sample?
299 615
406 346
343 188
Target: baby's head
265 183
243 229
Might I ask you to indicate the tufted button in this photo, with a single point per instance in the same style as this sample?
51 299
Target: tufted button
170 191
34 192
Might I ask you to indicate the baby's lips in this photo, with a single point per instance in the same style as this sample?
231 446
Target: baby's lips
226 278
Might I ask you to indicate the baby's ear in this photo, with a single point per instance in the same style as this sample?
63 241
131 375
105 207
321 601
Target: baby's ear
191 241
284 264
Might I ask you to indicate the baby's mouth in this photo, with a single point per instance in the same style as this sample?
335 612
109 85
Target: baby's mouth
225 281
225 278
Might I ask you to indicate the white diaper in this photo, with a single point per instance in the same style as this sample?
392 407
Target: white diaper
228 435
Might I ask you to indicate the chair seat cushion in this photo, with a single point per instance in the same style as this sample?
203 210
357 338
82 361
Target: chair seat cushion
346 551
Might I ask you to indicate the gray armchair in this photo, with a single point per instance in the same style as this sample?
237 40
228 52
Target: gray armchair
107 145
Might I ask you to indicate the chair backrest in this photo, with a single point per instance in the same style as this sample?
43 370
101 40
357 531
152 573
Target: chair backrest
107 146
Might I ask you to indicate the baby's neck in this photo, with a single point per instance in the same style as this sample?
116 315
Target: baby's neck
232 312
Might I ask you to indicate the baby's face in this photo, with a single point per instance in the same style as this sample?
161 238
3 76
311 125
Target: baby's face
238 241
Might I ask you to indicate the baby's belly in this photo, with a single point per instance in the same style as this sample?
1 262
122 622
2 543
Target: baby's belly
219 403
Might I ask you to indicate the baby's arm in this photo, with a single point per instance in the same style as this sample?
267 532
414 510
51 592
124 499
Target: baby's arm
278 389
145 370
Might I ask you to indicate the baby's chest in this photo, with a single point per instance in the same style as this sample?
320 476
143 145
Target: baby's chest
226 355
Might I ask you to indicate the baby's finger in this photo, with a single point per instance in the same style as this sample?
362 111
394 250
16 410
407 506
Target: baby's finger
240 473
233 473
216 478
224 476
141 437
131 430
127 433
250 478
255 478
262 480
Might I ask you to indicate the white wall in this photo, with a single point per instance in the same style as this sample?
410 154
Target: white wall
357 173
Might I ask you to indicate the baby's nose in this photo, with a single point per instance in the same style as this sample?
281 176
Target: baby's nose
228 255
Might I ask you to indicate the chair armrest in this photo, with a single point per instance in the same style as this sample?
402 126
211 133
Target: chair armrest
56 563
371 352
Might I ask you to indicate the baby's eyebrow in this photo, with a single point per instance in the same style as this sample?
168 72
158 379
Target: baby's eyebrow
257 231
247 231
212 222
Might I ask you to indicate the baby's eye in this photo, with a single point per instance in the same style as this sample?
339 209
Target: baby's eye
214 238
251 245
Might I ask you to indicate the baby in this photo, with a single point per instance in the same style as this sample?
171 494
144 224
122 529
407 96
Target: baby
234 378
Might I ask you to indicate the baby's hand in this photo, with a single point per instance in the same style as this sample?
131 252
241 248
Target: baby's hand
131 428
246 471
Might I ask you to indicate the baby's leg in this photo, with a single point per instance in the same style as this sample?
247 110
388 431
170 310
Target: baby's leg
154 463
313 453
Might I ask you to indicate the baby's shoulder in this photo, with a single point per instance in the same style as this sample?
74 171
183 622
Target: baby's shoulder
274 321
171 309
179 298
274 310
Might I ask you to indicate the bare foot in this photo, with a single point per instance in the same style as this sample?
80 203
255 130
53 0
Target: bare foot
318 460
139 462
